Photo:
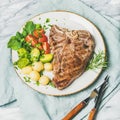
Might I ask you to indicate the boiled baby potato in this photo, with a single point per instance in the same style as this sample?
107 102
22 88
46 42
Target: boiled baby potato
38 66
26 70
34 75
48 66
44 80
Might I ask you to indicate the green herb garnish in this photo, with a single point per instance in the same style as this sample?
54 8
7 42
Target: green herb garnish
42 52
24 32
38 26
45 27
51 84
41 73
47 20
18 41
98 61
27 46
14 43
30 27
27 79
15 67
49 25
37 83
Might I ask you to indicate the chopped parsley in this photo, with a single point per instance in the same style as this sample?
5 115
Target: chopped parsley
37 83
47 20
15 67
45 27
51 84
49 25
41 73
27 79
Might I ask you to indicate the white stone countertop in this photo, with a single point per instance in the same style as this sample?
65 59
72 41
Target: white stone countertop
10 11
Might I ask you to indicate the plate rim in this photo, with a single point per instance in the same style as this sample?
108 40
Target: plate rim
96 28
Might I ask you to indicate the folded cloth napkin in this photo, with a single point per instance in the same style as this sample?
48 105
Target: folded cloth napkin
37 106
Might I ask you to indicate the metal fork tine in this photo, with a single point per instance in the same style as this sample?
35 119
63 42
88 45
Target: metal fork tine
106 79
106 86
102 91
106 83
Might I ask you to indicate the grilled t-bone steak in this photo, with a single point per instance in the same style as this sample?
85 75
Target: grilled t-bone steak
72 51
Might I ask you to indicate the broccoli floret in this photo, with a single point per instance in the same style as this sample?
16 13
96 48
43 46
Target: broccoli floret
22 62
22 53
35 54
46 58
38 26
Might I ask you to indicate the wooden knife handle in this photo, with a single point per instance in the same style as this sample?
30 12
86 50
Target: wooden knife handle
92 114
74 111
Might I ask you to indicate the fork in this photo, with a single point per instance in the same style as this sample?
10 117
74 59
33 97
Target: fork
103 87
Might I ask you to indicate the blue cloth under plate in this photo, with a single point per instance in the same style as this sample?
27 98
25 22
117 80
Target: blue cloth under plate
36 106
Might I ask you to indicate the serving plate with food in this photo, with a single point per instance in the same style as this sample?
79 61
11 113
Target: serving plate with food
58 53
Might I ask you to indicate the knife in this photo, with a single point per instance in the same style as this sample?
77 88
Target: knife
80 106
101 92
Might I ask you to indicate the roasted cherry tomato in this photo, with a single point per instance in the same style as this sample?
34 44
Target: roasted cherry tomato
31 39
43 38
42 31
46 47
34 42
38 33
47 51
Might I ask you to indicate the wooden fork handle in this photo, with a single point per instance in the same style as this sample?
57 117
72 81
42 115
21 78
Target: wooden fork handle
74 111
92 114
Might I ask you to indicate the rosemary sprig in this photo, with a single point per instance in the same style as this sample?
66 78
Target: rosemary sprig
98 61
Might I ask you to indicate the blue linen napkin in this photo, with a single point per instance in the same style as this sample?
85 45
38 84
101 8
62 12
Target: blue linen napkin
36 106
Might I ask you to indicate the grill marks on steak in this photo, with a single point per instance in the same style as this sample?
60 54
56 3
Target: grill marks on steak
72 51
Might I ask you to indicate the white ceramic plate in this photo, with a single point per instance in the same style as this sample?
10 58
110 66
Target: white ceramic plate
71 21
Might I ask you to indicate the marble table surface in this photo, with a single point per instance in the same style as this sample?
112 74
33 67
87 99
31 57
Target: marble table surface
10 11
